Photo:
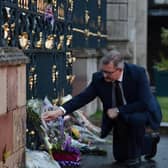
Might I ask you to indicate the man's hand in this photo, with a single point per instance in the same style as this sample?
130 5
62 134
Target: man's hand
112 113
52 115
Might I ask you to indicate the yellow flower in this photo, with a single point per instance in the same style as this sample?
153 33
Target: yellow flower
75 132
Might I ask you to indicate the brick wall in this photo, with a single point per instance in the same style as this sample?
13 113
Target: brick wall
12 110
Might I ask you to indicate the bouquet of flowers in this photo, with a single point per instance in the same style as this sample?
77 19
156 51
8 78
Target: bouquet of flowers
61 150
34 138
66 155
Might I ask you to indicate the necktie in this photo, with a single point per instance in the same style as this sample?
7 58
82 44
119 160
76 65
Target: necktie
114 104
119 94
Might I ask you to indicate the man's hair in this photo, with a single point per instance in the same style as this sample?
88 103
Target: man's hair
113 56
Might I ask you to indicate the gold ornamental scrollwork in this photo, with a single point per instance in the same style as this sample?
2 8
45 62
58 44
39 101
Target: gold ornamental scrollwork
87 17
23 4
71 4
70 58
55 73
69 40
70 78
40 41
41 6
61 42
24 40
89 33
49 43
32 78
99 21
99 3
6 30
54 3
61 14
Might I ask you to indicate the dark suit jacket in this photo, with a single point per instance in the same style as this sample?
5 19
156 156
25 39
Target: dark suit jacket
137 93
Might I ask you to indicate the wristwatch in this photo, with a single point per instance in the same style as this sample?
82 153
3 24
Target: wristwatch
117 110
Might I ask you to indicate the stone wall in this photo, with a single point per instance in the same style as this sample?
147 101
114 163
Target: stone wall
12 107
83 68
117 19
127 28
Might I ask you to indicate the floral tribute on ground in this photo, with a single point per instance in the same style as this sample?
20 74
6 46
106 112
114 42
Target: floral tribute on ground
65 139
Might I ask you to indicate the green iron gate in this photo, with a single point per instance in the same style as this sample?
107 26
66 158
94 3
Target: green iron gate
44 32
47 31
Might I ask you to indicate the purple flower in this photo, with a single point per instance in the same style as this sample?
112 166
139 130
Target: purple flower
49 15
61 126
67 143
69 163
67 147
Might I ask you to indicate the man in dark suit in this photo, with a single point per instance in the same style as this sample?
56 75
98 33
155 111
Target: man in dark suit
128 108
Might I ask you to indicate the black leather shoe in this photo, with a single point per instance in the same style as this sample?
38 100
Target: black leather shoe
155 140
133 163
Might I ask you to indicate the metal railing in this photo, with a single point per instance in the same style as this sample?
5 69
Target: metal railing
47 32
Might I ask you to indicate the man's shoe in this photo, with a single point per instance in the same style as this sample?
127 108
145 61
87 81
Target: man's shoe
133 163
155 141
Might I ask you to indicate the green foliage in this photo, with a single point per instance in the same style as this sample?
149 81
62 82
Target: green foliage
93 151
96 116
34 139
164 36
56 147
163 101
33 117
162 65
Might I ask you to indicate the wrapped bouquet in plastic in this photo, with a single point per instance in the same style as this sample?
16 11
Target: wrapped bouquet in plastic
40 159
61 149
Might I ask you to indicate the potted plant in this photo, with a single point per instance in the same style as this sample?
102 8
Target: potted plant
161 68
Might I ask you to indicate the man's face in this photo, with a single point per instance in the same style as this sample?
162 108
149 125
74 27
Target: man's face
110 72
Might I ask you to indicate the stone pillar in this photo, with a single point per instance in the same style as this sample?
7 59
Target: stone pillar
127 28
12 107
117 26
141 32
83 68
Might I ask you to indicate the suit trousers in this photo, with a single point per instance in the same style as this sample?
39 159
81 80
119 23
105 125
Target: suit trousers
128 137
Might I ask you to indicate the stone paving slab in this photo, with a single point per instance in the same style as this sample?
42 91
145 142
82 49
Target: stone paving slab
159 161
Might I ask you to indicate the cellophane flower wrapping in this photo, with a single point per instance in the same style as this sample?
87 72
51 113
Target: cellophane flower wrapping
62 151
